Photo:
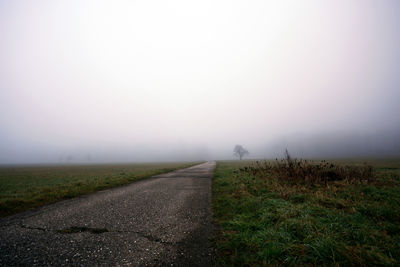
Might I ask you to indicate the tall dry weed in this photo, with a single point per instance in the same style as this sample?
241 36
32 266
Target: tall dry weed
301 171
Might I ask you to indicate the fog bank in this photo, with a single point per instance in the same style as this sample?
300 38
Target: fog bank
134 81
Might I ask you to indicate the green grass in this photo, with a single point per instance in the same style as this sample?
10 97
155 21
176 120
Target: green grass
266 222
27 187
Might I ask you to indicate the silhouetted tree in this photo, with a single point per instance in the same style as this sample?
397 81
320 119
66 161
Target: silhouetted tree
240 151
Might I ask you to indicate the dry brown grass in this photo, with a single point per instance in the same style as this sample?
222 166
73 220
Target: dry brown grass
299 171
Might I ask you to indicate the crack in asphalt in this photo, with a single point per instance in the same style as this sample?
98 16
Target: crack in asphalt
89 229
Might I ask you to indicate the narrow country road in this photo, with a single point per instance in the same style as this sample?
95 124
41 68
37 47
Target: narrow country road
163 220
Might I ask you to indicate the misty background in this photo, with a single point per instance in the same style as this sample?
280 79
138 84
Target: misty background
126 81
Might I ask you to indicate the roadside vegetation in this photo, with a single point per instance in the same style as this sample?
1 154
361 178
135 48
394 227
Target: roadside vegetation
297 212
27 187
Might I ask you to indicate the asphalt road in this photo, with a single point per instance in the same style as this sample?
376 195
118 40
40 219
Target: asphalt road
164 220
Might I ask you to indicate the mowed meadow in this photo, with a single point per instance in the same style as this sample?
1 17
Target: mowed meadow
314 213
27 187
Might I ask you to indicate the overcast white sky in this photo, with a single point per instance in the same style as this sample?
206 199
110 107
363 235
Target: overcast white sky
183 80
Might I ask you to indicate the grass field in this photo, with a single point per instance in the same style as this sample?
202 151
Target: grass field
27 187
264 221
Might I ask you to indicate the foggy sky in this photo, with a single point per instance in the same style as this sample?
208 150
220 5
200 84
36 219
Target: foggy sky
108 81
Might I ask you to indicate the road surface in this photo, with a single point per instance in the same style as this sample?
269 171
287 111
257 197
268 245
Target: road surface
163 220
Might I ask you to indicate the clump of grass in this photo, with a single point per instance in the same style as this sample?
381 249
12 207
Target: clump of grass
301 171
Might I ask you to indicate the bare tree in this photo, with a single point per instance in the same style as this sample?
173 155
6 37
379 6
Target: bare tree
240 151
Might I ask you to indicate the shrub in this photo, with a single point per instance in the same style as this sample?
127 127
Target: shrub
301 171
